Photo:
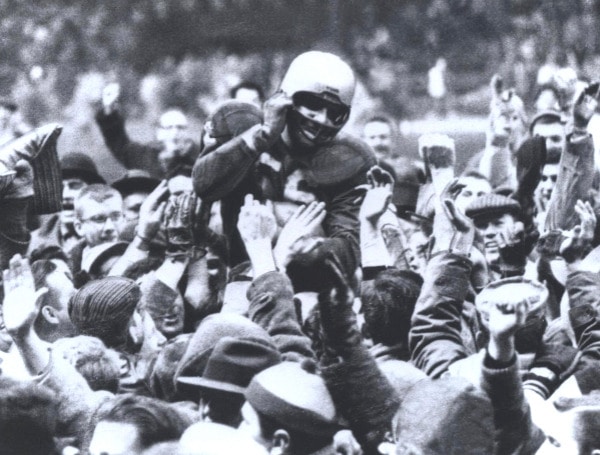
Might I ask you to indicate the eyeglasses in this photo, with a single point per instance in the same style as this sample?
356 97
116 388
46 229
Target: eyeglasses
336 113
179 127
101 219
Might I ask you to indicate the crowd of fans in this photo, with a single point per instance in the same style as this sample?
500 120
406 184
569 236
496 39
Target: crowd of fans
283 287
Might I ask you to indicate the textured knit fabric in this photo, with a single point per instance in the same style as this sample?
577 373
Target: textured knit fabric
103 306
490 204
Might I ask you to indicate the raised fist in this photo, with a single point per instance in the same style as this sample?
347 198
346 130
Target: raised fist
110 97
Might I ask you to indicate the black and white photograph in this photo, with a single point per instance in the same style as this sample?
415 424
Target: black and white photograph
300 227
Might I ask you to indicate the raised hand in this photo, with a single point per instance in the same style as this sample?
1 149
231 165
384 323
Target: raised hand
256 221
275 114
180 219
585 106
577 242
110 97
151 212
452 229
21 301
378 196
506 319
300 228
437 150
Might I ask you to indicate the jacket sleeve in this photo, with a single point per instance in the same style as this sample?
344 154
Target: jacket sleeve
14 235
584 300
272 307
217 173
515 432
353 377
77 402
115 136
435 336
575 176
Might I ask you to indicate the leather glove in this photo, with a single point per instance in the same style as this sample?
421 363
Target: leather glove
338 320
180 220
275 115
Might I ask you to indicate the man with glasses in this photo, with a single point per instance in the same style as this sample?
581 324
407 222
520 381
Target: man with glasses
172 146
300 132
98 216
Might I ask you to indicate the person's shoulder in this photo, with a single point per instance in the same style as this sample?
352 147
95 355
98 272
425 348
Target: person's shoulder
346 158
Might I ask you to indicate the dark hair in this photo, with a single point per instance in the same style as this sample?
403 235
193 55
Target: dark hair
27 418
48 252
155 420
248 85
388 304
41 269
380 119
143 266
98 365
300 443
475 175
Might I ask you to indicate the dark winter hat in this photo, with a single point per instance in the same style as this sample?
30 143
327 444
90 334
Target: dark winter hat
294 398
103 308
135 180
232 118
233 363
492 204
448 416
78 165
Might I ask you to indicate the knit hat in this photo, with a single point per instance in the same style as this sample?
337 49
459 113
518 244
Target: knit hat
492 204
103 308
448 416
135 180
233 363
232 118
78 165
295 399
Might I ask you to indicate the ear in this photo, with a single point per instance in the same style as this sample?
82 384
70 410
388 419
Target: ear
136 329
49 314
281 442
78 225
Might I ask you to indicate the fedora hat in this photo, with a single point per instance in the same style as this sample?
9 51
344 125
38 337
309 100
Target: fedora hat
233 363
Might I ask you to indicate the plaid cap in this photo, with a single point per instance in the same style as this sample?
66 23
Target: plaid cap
492 203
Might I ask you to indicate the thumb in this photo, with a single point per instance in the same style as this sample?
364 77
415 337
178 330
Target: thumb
460 221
